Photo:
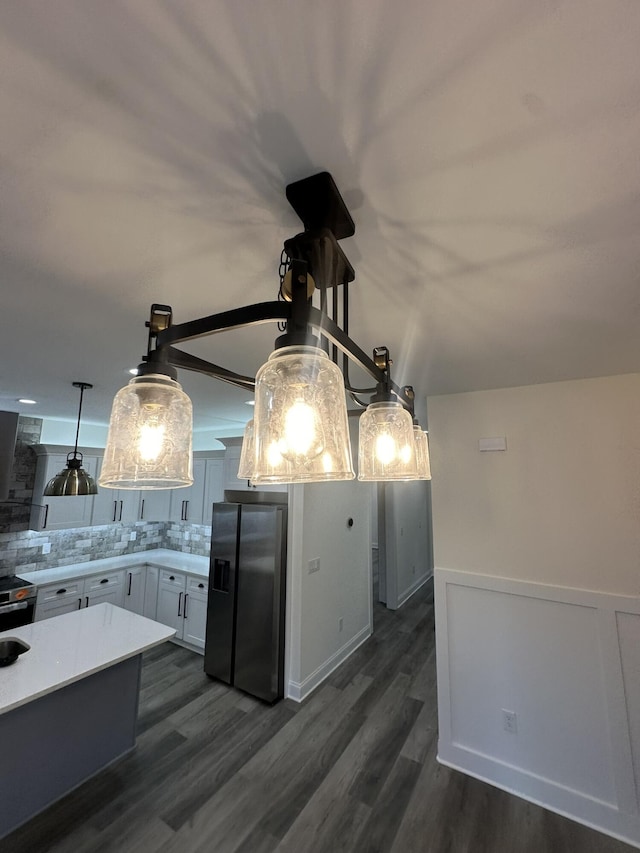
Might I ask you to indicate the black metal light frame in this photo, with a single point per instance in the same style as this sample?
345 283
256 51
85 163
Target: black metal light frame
315 251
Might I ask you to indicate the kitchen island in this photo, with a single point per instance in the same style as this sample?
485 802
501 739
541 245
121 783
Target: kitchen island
68 706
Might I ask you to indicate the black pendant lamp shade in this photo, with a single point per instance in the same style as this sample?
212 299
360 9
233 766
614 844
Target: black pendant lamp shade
73 480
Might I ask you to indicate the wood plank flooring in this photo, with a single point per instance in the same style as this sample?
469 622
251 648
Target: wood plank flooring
351 769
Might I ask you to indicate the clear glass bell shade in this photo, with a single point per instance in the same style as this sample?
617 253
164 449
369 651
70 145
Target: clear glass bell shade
72 480
245 468
386 445
301 430
422 453
149 440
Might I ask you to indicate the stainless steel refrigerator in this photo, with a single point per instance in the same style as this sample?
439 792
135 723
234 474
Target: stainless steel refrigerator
245 617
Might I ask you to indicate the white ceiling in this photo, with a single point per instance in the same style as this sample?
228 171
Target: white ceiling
489 153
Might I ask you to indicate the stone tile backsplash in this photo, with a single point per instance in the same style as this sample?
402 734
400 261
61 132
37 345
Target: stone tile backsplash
23 550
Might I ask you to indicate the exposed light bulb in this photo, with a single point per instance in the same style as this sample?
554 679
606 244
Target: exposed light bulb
150 441
274 456
406 454
300 435
385 448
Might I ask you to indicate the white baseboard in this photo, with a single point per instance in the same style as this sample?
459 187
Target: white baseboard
298 691
415 586
574 805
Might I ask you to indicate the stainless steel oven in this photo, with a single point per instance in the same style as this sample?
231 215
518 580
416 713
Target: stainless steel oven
17 603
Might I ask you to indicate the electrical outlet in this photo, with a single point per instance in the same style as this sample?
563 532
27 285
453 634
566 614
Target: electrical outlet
133 536
340 624
314 566
46 548
510 722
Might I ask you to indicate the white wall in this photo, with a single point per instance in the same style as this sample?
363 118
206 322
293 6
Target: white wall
537 553
562 504
341 589
56 431
407 543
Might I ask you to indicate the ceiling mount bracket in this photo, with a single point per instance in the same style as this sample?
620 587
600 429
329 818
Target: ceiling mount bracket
318 203
326 220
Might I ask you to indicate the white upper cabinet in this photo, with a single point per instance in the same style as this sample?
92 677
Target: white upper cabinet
213 472
114 505
154 504
51 513
187 504
213 487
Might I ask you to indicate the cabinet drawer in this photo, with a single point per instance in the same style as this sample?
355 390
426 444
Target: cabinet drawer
170 577
58 592
196 585
102 581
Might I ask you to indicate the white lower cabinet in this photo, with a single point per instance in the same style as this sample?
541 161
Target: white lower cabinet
182 604
151 592
134 589
171 587
107 587
195 612
171 597
55 599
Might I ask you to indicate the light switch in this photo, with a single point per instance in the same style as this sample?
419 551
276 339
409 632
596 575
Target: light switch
314 566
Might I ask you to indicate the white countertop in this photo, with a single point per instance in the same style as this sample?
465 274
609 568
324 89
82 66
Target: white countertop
161 557
67 648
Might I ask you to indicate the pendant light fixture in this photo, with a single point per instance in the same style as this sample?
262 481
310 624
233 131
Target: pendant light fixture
245 468
422 452
73 480
300 427
386 445
151 425
303 431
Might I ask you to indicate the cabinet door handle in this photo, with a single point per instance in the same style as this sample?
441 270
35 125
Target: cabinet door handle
104 580
120 516
115 510
180 604
46 515
186 598
87 604
129 590
79 603
142 510
171 578
200 586
61 591
186 510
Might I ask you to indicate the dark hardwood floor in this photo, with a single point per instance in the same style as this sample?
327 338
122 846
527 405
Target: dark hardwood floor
351 769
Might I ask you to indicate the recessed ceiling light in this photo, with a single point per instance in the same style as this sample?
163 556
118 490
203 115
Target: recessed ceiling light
28 402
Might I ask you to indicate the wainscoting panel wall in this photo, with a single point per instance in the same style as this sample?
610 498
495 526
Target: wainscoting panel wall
539 694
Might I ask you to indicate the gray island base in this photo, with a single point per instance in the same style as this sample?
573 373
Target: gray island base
60 727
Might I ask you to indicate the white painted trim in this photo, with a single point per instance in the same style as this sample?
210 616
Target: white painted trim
620 819
415 586
298 691
622 827
293 594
